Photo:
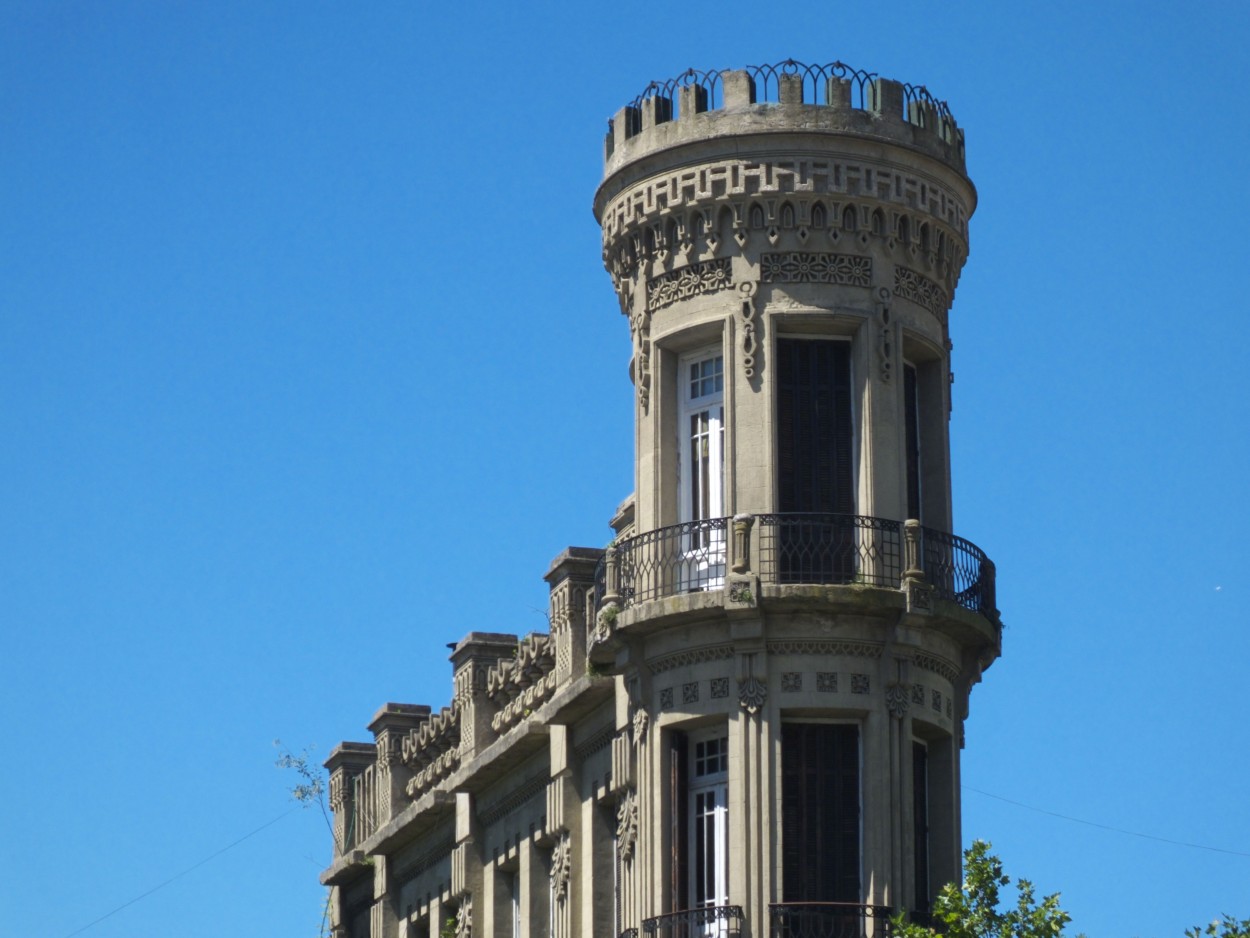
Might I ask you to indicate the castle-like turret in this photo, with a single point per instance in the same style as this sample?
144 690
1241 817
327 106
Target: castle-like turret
747 717
785 242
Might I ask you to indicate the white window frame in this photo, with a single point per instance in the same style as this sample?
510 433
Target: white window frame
708 793
702 396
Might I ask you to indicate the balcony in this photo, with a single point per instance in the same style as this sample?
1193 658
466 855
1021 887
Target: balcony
828 920
709 922
720 921
817 549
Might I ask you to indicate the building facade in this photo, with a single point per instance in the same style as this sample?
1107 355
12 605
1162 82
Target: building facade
747 716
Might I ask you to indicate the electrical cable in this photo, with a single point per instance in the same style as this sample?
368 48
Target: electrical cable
177 876
1107 827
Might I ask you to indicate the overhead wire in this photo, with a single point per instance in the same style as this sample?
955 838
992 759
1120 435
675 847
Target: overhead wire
1107 827
177 876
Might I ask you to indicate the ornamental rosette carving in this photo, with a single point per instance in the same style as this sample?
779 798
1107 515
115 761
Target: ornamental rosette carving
561 864
692 280
627 825
752 694
922 291
850 270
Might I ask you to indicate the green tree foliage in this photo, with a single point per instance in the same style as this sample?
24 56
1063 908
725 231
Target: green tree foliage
1227 927
973 910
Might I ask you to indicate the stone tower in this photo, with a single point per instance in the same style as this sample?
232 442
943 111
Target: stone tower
785 590
747 716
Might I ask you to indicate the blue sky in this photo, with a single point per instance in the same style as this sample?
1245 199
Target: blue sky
310 366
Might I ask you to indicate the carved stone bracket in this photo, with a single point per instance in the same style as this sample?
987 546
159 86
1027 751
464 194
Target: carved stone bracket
885 344
464 918
627 825
642 358
752 694
640 726
897 700
561 864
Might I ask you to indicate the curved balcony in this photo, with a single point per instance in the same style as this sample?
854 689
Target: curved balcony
796 548
828 920
719 921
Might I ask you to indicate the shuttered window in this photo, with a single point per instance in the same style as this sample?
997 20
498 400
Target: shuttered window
912 429
920 817
820 812
679 820
814 433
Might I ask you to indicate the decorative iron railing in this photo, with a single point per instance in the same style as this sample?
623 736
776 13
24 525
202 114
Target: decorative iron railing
815 80
720 921
828 920
830 548
795 548
629 933
681 558
959 570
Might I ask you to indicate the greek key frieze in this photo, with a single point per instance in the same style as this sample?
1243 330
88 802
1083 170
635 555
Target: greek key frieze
692 280
737 179
921 290
850 270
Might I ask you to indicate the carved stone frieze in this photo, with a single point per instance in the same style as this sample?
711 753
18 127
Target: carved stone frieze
464 918
684 659
922 291
846 649
938 666
692 280
851 270
733 180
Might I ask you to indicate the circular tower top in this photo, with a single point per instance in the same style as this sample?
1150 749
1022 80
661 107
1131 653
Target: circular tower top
828 135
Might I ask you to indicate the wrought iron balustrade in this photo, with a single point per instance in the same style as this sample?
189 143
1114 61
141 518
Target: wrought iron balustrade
681 558
828 920
719 921
830 548
959 571
795 548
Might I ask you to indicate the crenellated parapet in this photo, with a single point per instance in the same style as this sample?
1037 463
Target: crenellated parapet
834 97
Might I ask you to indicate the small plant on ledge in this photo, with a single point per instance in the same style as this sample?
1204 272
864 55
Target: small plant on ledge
607 615
596 670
